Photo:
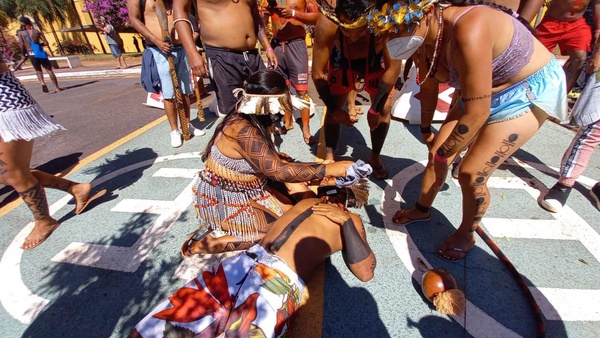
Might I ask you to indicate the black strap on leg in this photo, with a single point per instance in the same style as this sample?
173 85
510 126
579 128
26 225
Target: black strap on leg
421 207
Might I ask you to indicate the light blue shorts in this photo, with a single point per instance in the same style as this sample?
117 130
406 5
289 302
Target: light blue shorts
114 50
184 74
545 89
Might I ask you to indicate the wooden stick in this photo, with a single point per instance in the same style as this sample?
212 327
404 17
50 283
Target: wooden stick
161 13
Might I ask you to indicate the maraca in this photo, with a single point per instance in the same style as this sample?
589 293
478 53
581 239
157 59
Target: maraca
441 289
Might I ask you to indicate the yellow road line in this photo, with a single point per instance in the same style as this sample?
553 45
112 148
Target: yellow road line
12 205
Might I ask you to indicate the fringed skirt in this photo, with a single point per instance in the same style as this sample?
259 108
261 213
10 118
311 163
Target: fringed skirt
21 118
221 202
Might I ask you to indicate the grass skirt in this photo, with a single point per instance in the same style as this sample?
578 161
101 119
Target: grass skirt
21 118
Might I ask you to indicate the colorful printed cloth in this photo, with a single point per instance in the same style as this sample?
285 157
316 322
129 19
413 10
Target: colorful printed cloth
252 294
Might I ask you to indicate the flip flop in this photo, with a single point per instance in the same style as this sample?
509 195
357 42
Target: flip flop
89 200
43 239
45 88
410 220
442 254
196 236
309 140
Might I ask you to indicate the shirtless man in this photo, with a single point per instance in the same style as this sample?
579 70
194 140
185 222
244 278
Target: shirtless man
229 32
289 42
273 271
343 50
564 25
160 48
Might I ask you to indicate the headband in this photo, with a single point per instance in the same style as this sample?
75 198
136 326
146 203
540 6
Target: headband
267 104
393 18
329 12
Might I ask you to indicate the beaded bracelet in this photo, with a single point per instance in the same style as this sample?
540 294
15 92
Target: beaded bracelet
269 49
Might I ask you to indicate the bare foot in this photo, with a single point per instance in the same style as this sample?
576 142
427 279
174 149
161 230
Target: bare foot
41 231
58 90
405 217
379 170
81 193
457 247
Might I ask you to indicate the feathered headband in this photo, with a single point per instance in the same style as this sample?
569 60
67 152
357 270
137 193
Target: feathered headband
398 16
329 12
267 104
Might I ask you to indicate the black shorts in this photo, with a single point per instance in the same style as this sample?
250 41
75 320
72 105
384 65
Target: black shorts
38 63
292 57
228 69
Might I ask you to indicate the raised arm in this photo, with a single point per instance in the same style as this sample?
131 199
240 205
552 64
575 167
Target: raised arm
308 18
256 150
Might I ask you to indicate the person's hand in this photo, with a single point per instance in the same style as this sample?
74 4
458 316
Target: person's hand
273 64
332 212
285 12
428 139
198 65
372 119
441 171
164 46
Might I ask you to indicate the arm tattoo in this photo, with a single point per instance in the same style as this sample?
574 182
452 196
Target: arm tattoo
269 163
35 198
467 99
356 249
383 91
285 234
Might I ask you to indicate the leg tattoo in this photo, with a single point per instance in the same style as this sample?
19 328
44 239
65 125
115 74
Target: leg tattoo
35 198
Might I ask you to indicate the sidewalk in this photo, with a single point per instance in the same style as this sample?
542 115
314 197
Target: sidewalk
92 65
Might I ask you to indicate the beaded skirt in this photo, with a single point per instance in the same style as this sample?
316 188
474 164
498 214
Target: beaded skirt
220 202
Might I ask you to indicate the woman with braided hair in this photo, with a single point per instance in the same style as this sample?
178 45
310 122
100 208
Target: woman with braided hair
234 195
509 84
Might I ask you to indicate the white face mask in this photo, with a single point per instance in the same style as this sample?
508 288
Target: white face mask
404 47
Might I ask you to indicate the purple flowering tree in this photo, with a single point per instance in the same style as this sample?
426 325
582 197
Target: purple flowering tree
115 11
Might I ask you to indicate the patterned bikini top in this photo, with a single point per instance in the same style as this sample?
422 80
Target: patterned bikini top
508 63
239 165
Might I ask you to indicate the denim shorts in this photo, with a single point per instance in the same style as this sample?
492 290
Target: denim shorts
114 50
545 89
184 74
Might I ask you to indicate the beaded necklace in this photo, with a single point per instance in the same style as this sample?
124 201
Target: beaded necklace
438 41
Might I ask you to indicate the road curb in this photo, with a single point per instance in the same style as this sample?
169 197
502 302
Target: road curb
91 73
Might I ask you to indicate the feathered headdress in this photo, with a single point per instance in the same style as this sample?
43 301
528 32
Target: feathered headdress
267 104
357 194
398 16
